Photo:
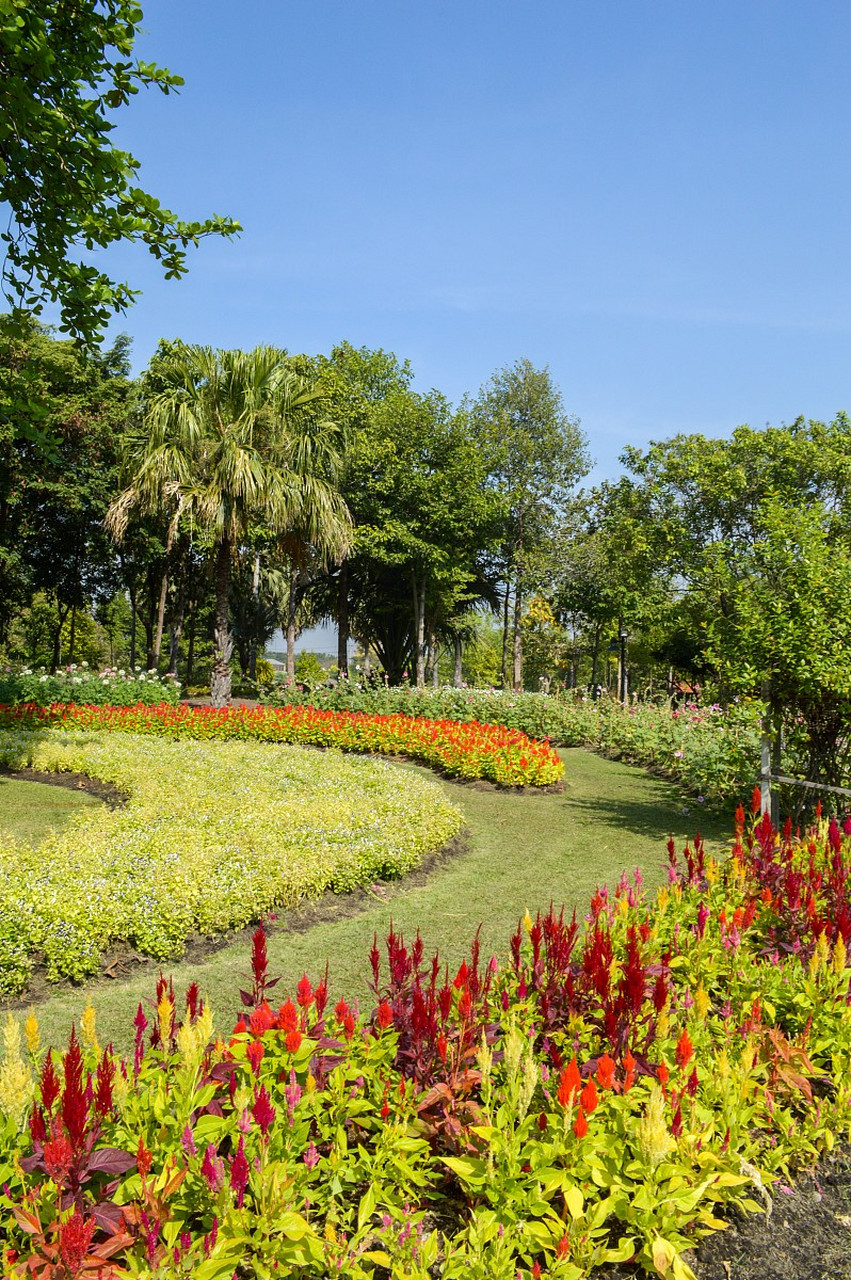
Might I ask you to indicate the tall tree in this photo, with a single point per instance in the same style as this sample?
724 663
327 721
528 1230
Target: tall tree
535 454
64 69
236 438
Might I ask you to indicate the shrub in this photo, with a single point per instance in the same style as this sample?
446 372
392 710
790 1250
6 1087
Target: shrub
603 1098
79 684
213 835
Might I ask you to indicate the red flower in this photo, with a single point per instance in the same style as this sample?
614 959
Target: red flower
542 1121
685 1050
239 1172
304 992
287 1017
144 1159
580 1124
662 1074
254 1054
261 1019
75 1236
58 1158
588 1098
262 1110
563 1246
756 800
629 1068
570 1083
293 1041
384 1017
605 1072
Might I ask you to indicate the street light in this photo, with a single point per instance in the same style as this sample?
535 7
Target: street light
623 636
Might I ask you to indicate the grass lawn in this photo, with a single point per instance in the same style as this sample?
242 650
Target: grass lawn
28 810
525 850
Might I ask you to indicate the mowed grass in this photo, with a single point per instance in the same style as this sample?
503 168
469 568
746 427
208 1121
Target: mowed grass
525 850
28 810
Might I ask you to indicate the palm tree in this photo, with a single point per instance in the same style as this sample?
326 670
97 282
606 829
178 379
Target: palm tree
236 438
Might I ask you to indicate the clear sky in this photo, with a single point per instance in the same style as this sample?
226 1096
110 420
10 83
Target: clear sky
650 197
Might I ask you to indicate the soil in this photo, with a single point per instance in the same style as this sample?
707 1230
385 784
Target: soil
112 796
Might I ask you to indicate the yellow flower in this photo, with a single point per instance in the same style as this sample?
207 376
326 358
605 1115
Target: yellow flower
88 1032
310 1083
701 1002
663 897
16 1084
710 870
654 1138
31 1032
527 921
165 1010
840 956
662 1025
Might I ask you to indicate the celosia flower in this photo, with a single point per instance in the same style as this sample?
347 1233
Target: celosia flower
629 1069
58 1157
653 1137
293 1041
304 992
384 1016
588 1098
262 1110
605 1072
261 1020
239 1172
213 1169
569 1084
684 1050
311 1156
580 1124
287 1017
75 1236
254 1053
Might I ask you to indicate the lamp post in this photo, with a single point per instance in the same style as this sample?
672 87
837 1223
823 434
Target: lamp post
622 691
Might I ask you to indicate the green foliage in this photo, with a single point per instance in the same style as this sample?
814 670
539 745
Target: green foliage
65 70
85 687
609 1096
213 836
309 671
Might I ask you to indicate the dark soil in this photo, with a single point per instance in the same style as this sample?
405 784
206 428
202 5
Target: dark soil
112 796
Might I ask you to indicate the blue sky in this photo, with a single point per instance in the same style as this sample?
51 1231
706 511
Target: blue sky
651 198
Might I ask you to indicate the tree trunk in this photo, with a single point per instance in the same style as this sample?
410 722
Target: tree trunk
595 658
220 680
73 636
131 591
255 600
57 636
419 627
517 648
433 660
458 674
505 627
158 640
343 621
177 625
292 609
190 653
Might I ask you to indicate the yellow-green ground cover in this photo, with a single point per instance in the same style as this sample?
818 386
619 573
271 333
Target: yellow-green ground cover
213 835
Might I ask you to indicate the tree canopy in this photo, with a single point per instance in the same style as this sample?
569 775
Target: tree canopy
64 69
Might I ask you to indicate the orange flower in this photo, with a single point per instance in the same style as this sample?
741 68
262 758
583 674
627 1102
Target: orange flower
685 1050
605 1072
570 1083
629 1068
580 1124
588 1098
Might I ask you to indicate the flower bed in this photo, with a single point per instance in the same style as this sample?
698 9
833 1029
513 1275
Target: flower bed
473 750
213 835
713 751
79 684
603 1098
